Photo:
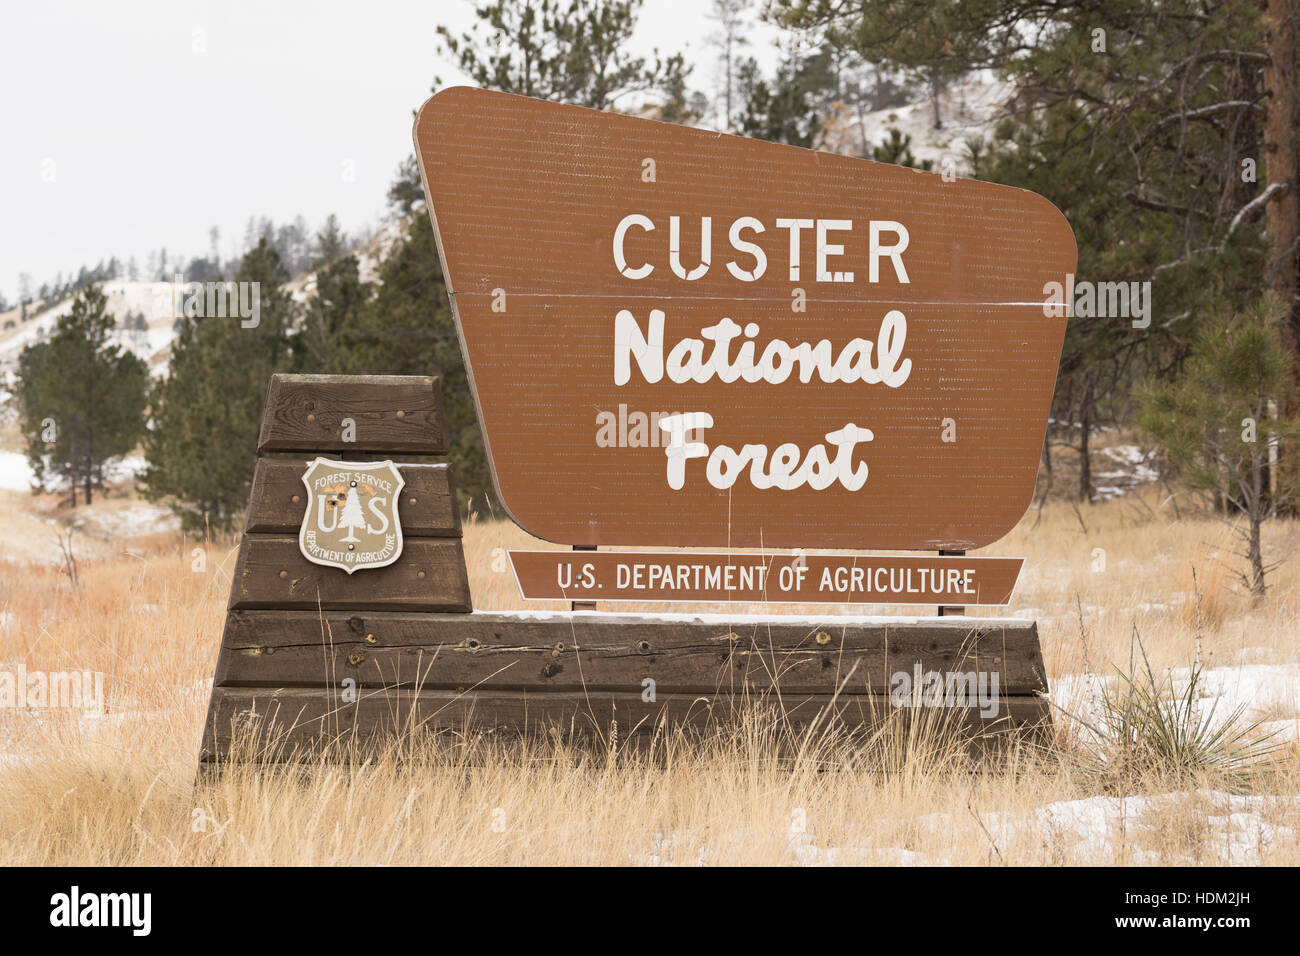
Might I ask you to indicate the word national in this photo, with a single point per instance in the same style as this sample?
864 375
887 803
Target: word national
779 360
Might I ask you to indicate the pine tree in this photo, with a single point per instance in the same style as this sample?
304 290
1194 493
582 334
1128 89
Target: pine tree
207 413
351 518
730 17
328 325
572 52
897 149
791 108
1227 414
330 242
680 104
81 399
407 190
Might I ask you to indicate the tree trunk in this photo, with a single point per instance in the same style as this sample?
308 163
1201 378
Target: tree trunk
1281 156
1256 553
1257 509
72 475
1085 434
1085 464
1281 142
90 464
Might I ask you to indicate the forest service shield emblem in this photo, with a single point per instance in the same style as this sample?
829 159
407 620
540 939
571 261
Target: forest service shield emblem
351 520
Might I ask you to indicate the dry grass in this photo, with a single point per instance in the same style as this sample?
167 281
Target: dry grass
119 789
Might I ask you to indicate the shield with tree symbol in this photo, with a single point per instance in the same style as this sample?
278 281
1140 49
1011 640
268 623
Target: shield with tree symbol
351 520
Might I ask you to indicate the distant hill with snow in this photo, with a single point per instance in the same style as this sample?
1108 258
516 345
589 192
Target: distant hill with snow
156 302
970 108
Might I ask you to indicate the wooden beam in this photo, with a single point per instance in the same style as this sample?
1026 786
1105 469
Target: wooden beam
272 573
270 722
389 414
619 652
427 507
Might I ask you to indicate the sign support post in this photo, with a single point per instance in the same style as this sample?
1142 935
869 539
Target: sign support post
583 605
950 610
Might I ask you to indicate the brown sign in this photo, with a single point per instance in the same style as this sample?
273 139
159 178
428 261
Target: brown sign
676 337
764 578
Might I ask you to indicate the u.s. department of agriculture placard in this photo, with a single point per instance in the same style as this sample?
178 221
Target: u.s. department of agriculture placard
676 337
351 521
647 576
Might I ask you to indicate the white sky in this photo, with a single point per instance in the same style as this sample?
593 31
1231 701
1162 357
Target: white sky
157 119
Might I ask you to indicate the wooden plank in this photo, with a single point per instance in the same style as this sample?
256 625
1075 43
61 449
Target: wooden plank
427 508
618 652
292 717
391 413
272 573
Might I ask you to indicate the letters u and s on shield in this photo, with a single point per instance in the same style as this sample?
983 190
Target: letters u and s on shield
351 520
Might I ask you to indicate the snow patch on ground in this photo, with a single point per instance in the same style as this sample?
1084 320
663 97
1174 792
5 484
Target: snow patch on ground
1257 690
1134 468
1234 829
16 471
137 520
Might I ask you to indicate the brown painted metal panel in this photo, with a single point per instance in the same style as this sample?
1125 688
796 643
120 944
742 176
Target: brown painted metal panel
527 199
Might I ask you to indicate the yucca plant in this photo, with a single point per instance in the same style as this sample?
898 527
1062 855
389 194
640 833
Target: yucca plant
1152 729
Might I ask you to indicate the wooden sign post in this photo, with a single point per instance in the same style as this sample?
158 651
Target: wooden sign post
675 339
311 653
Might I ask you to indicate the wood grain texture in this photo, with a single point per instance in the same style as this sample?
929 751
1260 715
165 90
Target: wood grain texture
272 573
427 508
291 717
526 197
616 652
399 414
